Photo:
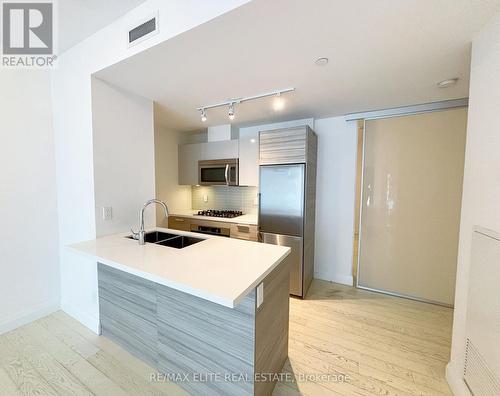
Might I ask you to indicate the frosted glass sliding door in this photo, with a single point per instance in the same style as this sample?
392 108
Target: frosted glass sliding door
411 199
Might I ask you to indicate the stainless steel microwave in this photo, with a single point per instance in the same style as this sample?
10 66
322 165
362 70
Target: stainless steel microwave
223 172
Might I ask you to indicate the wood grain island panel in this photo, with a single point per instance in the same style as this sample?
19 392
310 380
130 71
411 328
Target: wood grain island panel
216 350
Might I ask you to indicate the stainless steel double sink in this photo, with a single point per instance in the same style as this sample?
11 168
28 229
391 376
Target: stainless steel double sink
171 240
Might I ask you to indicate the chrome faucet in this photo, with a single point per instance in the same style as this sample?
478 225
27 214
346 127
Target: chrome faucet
140 234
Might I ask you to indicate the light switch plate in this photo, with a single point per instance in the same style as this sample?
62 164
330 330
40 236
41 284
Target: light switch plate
107 213
260 294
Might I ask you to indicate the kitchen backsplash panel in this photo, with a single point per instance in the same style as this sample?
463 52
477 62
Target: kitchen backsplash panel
223 197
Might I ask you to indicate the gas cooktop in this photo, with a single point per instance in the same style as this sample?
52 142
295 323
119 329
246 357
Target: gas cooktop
229 214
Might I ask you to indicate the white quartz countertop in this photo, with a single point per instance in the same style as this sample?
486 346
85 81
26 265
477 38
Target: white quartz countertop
251 219
218 269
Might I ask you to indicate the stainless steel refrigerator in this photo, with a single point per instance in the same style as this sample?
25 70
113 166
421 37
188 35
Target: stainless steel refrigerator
286 212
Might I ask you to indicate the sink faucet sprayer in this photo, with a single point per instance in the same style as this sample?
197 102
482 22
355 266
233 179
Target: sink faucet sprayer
140 234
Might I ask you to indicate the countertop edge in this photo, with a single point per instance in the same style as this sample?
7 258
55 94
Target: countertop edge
227 302
161 281
259 280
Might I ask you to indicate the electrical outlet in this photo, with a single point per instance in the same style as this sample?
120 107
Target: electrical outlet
205 198
260 294
107 213
256 201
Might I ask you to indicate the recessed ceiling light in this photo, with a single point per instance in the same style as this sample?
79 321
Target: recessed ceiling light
447 83
321 61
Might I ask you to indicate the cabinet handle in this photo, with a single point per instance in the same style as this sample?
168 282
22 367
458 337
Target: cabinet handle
180 220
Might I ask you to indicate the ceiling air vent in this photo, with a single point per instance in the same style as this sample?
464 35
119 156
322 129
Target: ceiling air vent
143 30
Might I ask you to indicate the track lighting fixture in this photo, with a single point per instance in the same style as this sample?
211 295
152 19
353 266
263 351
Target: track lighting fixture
278 104
231 111
203 115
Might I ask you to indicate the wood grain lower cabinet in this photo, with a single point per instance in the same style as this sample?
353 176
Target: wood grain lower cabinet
245 231
183 335
271 327
200 337
127 307
179 223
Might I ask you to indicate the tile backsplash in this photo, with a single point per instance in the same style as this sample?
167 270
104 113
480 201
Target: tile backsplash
223 197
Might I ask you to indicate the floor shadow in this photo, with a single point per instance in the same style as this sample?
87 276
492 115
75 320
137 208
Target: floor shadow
324 290
288 384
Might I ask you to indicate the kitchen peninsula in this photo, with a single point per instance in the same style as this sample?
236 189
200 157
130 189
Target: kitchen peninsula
196 306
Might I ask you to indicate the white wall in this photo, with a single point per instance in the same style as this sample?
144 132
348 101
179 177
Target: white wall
335 195
29 280
71 85
481 193
124 168
177 198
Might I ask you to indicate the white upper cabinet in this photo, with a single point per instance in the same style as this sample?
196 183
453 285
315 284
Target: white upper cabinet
249 157
246 149
224 149
190 154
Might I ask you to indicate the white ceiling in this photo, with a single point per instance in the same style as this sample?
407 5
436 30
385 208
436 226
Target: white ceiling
383 54
79 19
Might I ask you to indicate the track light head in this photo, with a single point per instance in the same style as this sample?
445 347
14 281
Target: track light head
231 111
203 115
278 103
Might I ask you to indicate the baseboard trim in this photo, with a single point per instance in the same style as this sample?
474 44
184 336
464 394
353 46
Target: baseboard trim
456 382
29 316
86 319
342 279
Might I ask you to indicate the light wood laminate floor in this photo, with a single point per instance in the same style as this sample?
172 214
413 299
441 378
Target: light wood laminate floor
381 345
